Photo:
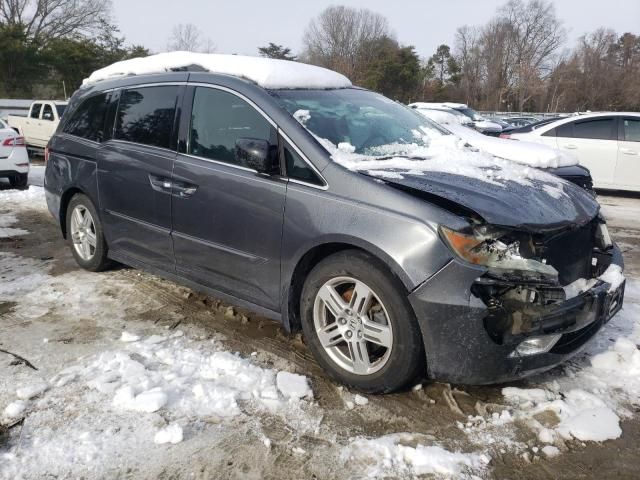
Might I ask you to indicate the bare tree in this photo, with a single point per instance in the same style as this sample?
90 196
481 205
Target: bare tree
185 37
45 20
338 39
536 34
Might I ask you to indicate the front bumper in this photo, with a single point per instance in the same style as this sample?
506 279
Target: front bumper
463 345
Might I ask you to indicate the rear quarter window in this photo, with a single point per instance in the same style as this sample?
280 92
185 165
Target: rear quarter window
87 121
146 115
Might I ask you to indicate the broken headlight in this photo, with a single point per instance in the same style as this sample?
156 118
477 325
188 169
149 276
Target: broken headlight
484 246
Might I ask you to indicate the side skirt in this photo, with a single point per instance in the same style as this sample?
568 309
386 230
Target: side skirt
265 312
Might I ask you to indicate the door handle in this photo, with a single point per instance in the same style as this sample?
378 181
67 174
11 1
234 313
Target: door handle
184 190
571 146
628 151
160 184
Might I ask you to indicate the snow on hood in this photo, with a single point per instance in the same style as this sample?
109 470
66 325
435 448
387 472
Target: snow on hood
444 154
527 153
266 72
500 191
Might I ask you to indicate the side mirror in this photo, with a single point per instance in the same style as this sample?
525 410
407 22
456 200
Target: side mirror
47 116
257 154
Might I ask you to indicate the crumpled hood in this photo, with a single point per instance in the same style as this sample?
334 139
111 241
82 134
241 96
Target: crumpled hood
529 208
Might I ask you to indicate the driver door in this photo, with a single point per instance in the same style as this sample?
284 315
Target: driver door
227 218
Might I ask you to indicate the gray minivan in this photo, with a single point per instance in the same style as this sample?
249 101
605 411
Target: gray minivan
304 205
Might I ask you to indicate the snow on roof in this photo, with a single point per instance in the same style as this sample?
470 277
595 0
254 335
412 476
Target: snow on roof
266 72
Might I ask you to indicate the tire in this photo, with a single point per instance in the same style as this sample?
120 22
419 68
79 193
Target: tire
384 318
20 181
95 258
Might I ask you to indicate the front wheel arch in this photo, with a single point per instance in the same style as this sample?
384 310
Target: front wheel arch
306 262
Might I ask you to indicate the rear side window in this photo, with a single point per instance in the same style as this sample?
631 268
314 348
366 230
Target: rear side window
218 119
600 129
87 121
298 169
631 130
35 110
146 115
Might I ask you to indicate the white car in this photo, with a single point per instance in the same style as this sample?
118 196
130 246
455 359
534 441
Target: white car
14 160
608 144
472 117
528 153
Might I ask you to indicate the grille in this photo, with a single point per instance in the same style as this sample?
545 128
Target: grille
571 253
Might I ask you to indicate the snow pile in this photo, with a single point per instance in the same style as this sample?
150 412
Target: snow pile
32 390
147 376
6 221
403 455
526 153
612 275
161 386
15 409
581 415
170 434
24 199
266 72
435 152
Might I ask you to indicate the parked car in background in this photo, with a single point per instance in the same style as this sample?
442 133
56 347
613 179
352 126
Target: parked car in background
14 160
506 133
474 118
40 123
552 160
608 144
278 186
520 121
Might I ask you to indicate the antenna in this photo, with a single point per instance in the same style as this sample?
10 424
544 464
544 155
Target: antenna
64 89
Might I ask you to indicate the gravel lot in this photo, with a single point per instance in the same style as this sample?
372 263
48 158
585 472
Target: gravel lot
79 328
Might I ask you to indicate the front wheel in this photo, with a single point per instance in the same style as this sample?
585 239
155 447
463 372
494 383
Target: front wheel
85 235
359 324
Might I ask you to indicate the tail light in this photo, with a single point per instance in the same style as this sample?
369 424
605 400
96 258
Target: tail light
46 154
505 135
14 142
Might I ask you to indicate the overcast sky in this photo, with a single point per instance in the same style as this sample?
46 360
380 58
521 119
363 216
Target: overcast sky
241 26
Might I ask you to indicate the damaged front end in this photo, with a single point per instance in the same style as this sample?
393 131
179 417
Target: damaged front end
529 280
532 299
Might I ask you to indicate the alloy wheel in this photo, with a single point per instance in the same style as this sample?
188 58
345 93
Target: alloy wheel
353 325
83 232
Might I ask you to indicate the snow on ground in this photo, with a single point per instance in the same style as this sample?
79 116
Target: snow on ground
266 72
403 455
137 393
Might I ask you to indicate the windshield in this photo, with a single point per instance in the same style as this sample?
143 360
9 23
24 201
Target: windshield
471 113
362 119
60 109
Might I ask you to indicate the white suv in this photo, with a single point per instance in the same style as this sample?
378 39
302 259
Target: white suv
608 144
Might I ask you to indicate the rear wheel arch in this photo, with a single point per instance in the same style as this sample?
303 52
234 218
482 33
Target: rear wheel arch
315 255
64 205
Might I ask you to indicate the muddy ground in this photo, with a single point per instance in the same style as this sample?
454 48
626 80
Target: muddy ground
408 411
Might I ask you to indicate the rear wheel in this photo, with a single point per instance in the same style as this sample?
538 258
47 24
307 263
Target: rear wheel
359 324
85 235
19 181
